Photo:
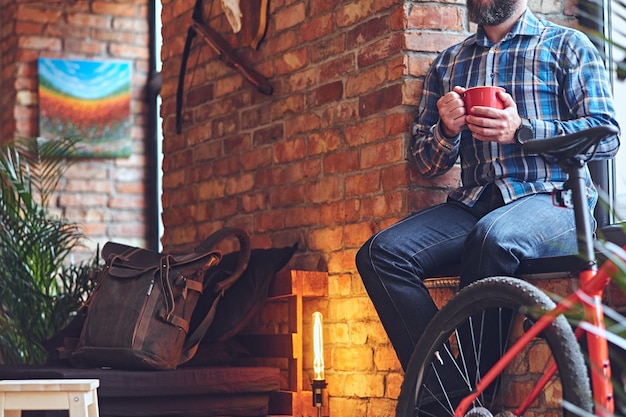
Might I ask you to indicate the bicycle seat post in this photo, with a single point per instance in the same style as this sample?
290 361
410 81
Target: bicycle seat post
584 233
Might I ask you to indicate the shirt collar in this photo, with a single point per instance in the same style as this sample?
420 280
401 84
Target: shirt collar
527 24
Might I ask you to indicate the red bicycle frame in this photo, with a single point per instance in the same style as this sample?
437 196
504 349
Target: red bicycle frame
592 284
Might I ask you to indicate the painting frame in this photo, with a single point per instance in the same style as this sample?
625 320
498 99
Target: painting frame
88 100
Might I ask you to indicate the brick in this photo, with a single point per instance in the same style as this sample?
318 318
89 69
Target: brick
224 209
382 153
256 158
114 9
302 80
286 196
212 189
340 211
267 135
254 117
33 13
362 183
309 168
290 151
357 234
390 204
398 123
289 105
264 222
364 385
342 112
282 42
240 184
328 47
325 239
326 94
395 177
129 51
227 165
411 92
228 85
349 309
380 100
324 142
341 162
370 131
302 216
253 202
292 61
28 28
338 67
353 12
88 20
337 332
385 359
359 358
435 17
324 190
367 31
394 383
237 143
316 28
40 43
366 80
290 16
133 25
343 406
302 123
430 41
380 50
340 286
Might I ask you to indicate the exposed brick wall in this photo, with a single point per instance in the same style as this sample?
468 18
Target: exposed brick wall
320 162
108 197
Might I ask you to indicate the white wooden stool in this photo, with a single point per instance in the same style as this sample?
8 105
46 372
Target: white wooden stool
78 396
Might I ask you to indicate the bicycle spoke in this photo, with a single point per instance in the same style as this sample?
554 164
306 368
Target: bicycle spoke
471 333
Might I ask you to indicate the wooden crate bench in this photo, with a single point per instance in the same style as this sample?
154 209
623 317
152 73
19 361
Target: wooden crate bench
241 390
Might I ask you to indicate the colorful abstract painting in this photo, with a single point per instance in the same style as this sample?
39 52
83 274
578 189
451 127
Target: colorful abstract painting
89 101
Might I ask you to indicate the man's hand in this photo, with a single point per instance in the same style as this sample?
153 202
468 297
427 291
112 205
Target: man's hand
452 112
494 125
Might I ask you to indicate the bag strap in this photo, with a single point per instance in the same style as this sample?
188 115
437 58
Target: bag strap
207 245
245 251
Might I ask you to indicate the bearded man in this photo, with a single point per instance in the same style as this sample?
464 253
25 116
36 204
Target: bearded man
555 83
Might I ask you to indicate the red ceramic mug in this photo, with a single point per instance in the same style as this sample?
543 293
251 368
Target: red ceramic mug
486 96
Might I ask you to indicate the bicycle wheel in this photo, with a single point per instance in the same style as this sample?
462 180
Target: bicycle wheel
471 332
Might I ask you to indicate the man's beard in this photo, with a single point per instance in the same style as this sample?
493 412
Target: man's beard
492 13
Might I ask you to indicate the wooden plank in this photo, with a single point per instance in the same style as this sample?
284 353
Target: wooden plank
281 403
303 283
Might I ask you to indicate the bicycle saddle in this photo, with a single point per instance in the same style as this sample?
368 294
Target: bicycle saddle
568 146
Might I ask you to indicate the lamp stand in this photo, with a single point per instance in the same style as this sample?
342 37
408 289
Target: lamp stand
318 385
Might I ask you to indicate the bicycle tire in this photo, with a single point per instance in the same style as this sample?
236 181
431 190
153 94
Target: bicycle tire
439 349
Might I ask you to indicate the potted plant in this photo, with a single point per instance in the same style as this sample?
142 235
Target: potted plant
40 288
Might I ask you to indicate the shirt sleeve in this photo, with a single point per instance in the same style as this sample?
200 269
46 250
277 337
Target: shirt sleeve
586 92
430 150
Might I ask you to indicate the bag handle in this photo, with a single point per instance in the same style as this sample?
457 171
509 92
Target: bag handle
245 251
193 340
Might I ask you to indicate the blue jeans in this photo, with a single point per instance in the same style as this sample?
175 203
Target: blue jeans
488 239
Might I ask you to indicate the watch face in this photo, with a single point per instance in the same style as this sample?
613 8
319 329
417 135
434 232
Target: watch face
524 134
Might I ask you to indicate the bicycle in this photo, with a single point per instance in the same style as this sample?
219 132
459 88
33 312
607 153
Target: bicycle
467 362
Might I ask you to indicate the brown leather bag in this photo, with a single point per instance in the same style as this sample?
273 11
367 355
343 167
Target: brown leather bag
138 315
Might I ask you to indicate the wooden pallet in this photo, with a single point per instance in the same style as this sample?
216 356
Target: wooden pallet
277 336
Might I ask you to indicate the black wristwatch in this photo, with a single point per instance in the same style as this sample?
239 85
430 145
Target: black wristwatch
524 132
